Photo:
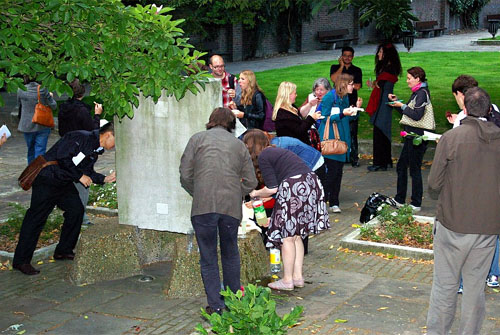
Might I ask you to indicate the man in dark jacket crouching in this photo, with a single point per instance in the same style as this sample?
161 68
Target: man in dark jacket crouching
76 154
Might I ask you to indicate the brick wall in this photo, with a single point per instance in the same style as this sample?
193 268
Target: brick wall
322 21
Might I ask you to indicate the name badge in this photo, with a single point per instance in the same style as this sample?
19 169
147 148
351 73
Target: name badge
78 158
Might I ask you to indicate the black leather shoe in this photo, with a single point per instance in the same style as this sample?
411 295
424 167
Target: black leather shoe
355 164
61 257
374 168
211 310
27 269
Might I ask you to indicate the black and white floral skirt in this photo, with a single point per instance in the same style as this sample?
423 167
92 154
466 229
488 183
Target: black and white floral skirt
300 209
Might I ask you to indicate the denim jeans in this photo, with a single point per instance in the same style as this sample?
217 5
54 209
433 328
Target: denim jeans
495 268
206 227
411 157
308 154
37 143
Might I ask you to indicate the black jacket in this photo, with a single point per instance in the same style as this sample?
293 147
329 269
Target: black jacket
290 124
74 115
255 113
69 147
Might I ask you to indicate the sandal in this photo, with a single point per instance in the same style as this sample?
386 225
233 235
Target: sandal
298 283
281 285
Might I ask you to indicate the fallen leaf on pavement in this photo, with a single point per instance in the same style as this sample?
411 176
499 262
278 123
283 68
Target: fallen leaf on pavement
39 262
332 292
355 225
382 308
331 247
385 296
340 321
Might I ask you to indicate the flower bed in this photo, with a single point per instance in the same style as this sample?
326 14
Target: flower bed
103 196
401 234
399 228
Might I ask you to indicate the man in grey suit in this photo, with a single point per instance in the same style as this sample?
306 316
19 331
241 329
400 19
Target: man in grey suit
217 171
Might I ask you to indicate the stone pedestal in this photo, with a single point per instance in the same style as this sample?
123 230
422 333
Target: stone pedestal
113 251
186 277
148 152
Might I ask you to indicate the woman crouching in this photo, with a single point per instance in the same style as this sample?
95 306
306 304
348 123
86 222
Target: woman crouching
300 208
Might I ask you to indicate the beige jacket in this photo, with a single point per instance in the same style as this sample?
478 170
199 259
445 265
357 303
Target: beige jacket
465 175
217 171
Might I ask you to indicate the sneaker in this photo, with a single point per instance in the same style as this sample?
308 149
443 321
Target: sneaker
398 204
335 209
460 290
416 208
492 281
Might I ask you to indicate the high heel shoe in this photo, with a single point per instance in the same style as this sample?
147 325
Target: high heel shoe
373 168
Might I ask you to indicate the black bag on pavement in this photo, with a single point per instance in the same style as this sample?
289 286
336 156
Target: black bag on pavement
372 204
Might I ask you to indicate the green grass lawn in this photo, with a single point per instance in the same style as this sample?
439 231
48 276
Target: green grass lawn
441 69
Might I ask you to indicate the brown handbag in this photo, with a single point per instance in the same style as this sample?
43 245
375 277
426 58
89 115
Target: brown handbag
43 114
335 146
29 174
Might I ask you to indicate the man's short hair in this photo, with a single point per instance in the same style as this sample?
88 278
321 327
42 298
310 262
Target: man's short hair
348 48
222 117
463 83
108 127
477 102
210 60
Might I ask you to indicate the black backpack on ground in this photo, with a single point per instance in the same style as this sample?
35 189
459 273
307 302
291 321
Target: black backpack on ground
372 204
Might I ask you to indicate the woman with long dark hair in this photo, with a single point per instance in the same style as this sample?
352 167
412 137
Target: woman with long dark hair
387 70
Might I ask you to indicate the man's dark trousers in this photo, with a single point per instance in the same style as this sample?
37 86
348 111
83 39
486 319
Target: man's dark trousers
47 193
206 227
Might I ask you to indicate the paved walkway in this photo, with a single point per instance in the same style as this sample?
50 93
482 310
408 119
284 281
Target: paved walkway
376 295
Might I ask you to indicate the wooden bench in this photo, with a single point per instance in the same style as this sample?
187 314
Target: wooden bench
426 27
495 17
332 37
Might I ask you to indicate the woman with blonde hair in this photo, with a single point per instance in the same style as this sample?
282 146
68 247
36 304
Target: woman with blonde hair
286 117
252 103
340 115
299 209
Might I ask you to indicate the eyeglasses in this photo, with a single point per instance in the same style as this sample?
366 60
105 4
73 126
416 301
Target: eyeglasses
350 84
218 66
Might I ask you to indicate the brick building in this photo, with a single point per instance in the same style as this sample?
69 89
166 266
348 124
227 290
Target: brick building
236 43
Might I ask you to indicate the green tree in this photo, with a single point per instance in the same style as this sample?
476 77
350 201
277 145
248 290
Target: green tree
391 17
119 50
468 10
204 17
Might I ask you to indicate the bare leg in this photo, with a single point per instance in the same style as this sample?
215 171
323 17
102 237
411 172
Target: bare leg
288 253
299 258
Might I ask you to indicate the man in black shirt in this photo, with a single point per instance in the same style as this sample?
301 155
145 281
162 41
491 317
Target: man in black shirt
75 153
345 66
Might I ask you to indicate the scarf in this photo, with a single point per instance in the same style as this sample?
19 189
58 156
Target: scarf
376 92
416 87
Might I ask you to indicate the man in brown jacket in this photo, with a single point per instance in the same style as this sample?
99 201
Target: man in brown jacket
466 179
217 171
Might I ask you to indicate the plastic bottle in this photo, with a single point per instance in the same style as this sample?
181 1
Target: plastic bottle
260 212
190 237
275 260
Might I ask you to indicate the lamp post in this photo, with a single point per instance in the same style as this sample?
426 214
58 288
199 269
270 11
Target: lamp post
493 27
408 39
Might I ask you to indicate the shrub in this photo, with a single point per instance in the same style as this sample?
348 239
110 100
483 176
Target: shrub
252 312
